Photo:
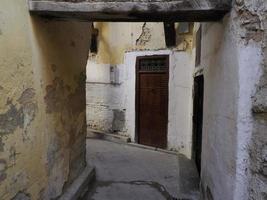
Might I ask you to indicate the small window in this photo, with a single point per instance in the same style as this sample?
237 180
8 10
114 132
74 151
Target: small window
198 46
151 64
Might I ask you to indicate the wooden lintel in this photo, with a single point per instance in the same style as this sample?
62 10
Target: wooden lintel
153 11
170 34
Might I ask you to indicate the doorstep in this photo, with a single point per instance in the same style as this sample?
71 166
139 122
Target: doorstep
152 148
95 134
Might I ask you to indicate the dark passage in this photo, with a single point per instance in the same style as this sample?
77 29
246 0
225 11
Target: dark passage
198 119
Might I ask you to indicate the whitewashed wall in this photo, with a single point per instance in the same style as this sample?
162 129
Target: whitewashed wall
180 98
232 69
103 98
122 96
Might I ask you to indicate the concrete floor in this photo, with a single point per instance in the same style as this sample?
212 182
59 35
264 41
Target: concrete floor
125 172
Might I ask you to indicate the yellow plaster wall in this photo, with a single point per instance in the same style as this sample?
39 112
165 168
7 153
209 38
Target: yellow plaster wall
116 38
42 102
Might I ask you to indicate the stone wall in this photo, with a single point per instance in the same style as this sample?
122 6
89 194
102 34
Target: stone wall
42 104
234 136
258 143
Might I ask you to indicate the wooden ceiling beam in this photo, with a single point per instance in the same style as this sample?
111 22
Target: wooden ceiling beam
132 11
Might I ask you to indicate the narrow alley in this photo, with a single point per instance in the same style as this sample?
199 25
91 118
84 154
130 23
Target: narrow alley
133 99
133 173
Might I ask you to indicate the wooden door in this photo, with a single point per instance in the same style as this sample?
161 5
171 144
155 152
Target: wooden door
152 100
198 119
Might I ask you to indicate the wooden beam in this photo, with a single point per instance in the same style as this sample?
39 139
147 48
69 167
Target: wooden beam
170 34
153 11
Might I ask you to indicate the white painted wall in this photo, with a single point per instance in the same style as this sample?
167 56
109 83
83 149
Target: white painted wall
122 96
231 71
219 59
180 98
102 97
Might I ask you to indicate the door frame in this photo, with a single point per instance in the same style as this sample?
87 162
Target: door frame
137 109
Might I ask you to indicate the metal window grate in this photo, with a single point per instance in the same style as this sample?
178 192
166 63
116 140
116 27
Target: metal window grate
153 64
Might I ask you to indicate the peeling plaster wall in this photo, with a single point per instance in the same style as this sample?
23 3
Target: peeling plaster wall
111 105
42 104
234 126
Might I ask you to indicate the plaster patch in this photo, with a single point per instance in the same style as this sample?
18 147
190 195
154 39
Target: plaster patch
59 95
3 168
260 101
11 120
118 122
13 155
1 145
52 154
20 117
29 107
264 153
55 95
77 101
26 96
22 196
144 37
20 180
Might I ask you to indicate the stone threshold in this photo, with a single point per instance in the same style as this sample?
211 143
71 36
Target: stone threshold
96 134
80 185
152 148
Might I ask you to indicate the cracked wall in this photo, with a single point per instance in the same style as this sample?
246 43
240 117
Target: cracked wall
111 78
234 127
42 104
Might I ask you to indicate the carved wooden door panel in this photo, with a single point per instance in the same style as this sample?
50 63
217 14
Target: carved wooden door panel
152 100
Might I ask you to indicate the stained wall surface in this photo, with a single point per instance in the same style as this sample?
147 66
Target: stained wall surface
42 104
111 79
234 127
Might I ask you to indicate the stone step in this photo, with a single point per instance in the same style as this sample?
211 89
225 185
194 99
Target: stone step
95 134
80 185
152 148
